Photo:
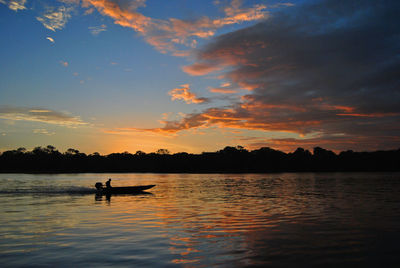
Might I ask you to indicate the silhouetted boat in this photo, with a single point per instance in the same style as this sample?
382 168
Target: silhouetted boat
122 190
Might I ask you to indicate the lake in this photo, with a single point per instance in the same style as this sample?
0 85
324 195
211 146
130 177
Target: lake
202 220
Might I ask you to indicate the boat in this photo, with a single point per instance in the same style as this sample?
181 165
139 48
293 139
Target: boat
121 190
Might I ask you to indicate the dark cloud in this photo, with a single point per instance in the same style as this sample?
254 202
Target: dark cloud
330 67
333 142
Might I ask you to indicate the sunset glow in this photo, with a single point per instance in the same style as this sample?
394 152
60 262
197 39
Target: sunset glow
112 76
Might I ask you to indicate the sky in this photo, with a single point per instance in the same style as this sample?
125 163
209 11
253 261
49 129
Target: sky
195 75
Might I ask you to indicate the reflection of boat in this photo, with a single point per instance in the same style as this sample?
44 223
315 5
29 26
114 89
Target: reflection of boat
121 190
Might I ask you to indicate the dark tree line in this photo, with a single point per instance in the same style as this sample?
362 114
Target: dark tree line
229 160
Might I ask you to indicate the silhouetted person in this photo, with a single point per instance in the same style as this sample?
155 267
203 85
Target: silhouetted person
108 183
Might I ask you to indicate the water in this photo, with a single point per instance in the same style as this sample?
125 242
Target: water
276 220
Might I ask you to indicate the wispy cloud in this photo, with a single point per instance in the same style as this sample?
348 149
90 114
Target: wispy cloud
172 35
76 2
168 35
89 11
15 4
40 115
95 30
236 14
184 94
50 39
123 15
224 88
55 19
198 69
43 131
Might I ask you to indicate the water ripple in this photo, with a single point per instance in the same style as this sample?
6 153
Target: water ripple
279 220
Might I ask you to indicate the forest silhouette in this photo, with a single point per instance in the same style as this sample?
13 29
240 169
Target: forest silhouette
228 160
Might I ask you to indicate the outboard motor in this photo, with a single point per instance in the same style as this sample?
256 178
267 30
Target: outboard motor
99 186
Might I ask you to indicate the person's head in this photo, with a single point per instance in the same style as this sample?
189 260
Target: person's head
109 179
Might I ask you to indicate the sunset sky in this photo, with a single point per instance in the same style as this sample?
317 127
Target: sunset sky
198 75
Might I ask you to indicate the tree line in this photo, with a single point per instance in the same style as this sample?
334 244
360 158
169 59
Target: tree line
228 160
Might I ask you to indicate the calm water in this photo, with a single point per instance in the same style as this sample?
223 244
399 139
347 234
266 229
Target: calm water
277 220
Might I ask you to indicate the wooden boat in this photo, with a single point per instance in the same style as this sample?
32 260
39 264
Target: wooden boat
122 190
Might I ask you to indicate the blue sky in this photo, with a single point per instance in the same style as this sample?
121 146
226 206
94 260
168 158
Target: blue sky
108 76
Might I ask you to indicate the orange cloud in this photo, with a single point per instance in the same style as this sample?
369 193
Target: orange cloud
223 90
226 84
351 111
200 69
164 35
184 93
64 63
344 108
236 118
248 86
325 106
254 106
123 17
235 54
371 115
235 14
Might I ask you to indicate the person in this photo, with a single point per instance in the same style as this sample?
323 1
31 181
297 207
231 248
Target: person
108 183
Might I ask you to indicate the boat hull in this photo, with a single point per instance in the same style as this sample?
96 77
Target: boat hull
124 190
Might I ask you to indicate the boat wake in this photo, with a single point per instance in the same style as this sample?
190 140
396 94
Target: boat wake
50 190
